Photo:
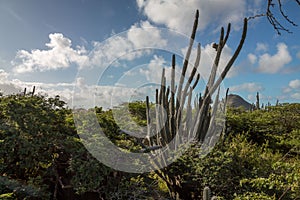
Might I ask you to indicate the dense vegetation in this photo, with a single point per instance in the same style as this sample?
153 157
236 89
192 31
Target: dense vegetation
41 156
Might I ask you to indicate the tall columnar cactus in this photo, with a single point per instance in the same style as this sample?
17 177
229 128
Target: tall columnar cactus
33 90
176 120
257 101
173 99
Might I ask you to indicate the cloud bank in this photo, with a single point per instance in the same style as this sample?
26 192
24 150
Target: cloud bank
248 87
179 14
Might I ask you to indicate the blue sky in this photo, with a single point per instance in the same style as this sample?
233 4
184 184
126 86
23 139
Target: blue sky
114 50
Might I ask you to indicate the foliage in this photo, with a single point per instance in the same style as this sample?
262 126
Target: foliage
32 133
274 124
42 156
258 159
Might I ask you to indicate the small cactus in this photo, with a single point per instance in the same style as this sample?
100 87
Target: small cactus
207 194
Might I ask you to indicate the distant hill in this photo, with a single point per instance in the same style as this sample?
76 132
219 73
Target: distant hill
235 101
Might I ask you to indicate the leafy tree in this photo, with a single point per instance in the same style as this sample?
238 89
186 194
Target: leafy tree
42 156
32 133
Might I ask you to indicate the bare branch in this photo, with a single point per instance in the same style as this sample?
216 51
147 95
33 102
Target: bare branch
277 25
284 15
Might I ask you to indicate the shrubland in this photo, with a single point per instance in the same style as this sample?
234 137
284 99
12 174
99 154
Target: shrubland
41 156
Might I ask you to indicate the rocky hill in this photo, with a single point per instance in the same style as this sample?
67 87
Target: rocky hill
234 100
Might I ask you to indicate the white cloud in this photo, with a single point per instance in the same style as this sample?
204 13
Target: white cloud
292 90
248 87
78 93
286 90
261 47
295 84
252 58
87 96
59 55
15 86
144 34
136 42
6 86
274 63
83 95
263 98
154 69
179 14
9 88
105 52
296 96
3 75
207 58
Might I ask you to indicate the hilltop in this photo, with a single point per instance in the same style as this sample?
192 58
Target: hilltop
235 101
